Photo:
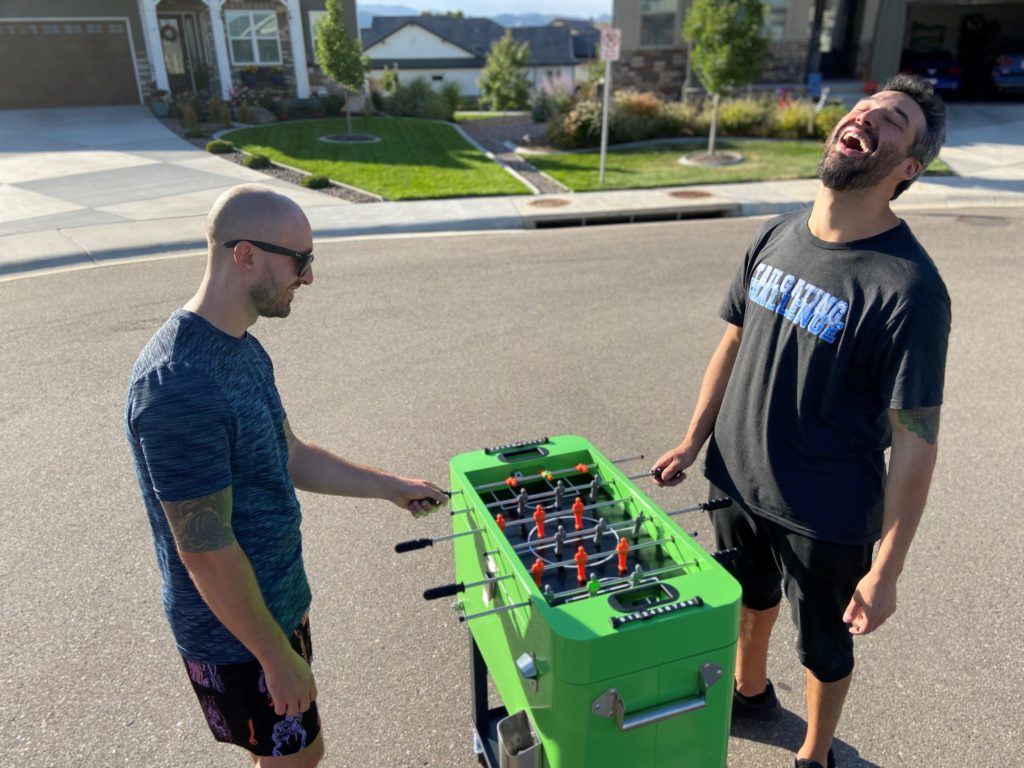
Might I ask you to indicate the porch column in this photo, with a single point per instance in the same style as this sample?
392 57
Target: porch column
154 46
298 41
890 26
220 47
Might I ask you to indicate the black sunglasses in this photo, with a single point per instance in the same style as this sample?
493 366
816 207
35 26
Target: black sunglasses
305 258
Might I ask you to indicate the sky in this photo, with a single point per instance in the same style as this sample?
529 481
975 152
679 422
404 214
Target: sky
578 8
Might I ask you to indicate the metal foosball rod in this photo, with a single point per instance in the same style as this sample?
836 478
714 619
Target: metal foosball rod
582 468
706 506
408 546
502 609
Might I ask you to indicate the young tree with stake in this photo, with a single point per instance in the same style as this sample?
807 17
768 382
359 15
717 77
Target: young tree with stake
339 56
727 48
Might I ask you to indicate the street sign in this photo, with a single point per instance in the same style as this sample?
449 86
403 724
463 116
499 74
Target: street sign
611 42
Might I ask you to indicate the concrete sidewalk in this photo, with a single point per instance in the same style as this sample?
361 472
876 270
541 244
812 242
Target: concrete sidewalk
85 187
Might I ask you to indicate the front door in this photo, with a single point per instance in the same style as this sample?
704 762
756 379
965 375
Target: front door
182 57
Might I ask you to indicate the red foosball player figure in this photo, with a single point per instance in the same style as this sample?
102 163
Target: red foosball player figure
537 569
577 511
511 482
583 468
581 565
623 550
538 518
500 520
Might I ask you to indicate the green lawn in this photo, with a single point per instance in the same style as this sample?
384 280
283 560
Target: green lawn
657 166
415 158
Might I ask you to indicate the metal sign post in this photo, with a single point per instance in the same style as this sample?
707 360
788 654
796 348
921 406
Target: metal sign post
611 41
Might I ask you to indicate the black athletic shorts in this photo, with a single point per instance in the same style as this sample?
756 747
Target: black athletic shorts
238 709
818 577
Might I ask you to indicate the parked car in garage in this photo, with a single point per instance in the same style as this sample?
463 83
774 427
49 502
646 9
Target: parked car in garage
1008 71
939 67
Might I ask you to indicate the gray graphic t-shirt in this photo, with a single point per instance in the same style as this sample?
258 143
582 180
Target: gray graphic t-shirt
834 335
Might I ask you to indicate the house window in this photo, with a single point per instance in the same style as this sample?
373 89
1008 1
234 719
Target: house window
658 24
314 19
775 19
253 37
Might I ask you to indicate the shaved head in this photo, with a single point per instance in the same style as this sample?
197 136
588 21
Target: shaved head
253 212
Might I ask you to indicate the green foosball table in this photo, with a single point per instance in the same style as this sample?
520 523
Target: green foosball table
610 635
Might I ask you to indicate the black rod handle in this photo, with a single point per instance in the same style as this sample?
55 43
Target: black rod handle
711 506
727 555
408 546
446 591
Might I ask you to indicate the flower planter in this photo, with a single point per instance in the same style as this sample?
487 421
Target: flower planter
160 108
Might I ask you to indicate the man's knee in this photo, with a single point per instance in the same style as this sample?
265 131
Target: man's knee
307 758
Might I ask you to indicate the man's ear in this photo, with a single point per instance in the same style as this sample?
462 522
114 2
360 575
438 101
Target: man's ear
910 169
243 255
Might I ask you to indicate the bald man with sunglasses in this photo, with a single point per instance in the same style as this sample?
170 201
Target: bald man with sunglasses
218 465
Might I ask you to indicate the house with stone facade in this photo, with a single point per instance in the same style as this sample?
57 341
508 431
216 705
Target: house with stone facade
841 39
85 52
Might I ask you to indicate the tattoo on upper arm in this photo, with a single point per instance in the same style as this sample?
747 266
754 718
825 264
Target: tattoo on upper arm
201 525
289 436
923 422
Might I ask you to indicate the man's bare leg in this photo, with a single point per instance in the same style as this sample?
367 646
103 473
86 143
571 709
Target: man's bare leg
824 706
752 649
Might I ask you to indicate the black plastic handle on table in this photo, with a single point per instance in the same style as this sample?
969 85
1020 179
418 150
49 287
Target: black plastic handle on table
408 546
711 506
727 555
446 591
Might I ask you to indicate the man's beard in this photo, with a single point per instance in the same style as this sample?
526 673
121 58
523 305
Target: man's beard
269 299
841 172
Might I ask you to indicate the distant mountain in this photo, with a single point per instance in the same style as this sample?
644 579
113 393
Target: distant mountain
367 11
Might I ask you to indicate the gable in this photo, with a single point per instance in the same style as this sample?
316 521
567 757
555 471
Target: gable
414 42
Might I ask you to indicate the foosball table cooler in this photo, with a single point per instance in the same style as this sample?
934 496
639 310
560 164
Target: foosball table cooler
622 656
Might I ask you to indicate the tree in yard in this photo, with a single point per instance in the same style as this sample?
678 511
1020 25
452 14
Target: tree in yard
339 56
727 47
503 83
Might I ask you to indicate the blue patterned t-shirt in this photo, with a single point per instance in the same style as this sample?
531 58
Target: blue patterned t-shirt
202 414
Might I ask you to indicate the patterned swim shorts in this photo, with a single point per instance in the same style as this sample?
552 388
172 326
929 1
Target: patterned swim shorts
238 709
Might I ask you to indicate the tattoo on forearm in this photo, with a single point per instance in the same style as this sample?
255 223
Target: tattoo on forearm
289 436
201 525
923 422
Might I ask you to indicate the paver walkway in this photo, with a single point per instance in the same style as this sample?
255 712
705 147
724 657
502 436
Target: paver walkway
494 132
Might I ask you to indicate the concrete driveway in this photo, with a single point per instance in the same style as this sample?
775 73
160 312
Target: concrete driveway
94 169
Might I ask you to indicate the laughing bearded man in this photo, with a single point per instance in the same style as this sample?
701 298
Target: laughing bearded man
835 350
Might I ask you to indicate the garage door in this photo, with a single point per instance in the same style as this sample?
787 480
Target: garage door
57 63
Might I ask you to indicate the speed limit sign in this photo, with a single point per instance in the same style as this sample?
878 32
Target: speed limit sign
611 41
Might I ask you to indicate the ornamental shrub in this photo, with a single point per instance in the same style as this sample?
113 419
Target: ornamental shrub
634 116
417 99
745 117
195 133
316 181
549 104
680 119
220 147
578 128
256 162
793 118
826 120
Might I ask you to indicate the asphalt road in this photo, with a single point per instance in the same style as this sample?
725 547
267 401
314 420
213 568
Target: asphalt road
407 351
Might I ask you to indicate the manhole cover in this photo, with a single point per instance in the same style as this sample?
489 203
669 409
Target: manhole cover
350 138
549 202
690 193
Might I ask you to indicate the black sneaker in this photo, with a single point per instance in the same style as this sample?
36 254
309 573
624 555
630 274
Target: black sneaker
801 762
763 706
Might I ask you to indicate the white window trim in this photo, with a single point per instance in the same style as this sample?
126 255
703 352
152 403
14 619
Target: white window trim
229 15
